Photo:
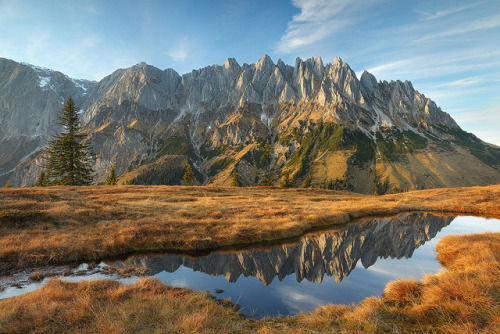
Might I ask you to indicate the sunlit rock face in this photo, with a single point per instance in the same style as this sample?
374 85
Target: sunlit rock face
138 115
312 257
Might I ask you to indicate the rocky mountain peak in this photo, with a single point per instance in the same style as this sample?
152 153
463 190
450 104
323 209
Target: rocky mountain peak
231 63
264 64
142 113
139 66
369 82
316 64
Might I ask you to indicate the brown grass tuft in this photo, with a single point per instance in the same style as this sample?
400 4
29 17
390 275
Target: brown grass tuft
109 307
403 292
37 275
138 271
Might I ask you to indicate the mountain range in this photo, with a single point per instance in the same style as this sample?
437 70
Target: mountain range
323 126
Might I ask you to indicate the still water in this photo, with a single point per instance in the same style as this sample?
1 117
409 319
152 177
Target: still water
342 265
339 266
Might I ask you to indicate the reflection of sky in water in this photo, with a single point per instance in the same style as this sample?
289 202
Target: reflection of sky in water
290 297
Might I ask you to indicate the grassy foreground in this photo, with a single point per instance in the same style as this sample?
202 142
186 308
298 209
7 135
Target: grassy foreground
465 298
40 226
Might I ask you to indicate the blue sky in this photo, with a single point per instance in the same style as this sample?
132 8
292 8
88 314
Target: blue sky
450 50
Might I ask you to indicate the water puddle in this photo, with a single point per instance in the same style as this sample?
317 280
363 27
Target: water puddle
342 266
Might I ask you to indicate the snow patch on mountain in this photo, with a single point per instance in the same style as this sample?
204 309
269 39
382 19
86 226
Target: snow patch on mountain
44 81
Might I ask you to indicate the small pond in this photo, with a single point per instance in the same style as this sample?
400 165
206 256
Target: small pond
342 265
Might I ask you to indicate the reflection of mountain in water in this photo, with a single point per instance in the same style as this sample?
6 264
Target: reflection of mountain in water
331 253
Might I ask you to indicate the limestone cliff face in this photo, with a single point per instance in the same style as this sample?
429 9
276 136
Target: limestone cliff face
209 93
331 253
220 117
30 100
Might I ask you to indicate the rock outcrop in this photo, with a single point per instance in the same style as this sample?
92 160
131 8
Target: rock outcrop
30 99
137 115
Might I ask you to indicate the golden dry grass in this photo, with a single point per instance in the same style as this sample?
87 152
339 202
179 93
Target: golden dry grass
53 225
464 298
106 306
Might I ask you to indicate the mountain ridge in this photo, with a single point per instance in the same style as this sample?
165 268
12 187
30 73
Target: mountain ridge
137 115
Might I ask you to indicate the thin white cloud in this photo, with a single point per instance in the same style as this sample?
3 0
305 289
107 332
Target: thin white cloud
490 114
448 97
180 51
440 64
317 20
463 82
481 24
393 66
442 13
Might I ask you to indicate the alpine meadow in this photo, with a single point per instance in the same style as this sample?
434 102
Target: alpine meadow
294 166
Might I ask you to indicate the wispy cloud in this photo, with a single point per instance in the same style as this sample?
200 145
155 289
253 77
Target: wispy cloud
317 20
443 13
180 51
440 64
392 66
474 115
481 24
470 81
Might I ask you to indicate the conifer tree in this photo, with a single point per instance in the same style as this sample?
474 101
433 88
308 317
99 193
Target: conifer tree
266 159
234 181
308 180
287 181
266 180
111 177
189 176
67 160
42 180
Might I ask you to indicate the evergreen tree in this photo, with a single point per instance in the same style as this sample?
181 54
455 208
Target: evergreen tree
266 159
42 180
287 181
8 185
308 180
234 181
67 160
266 181
111 177
189 176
